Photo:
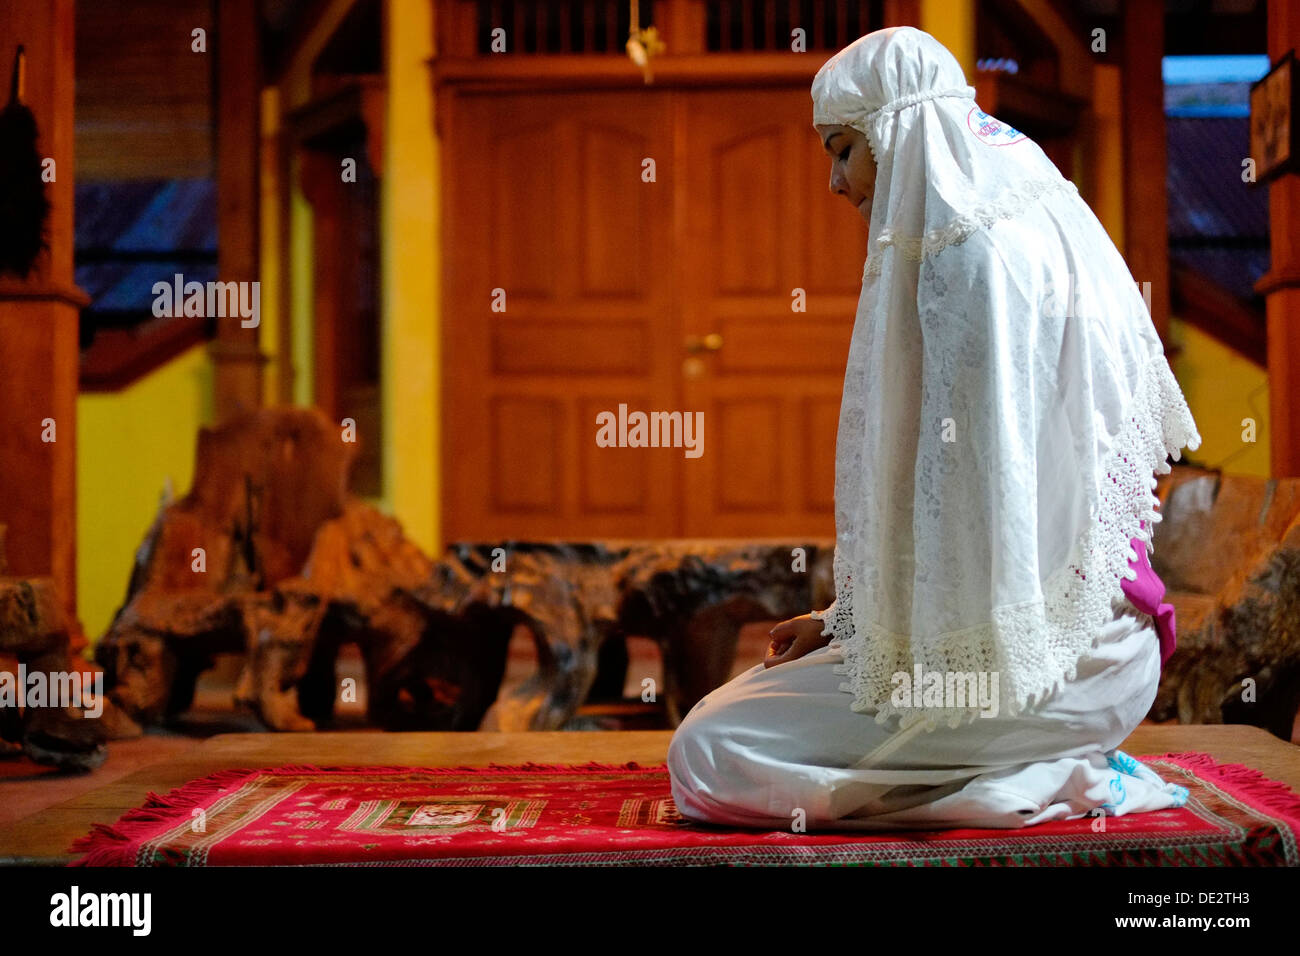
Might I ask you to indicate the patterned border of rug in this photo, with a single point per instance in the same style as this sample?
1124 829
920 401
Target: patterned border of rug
623 814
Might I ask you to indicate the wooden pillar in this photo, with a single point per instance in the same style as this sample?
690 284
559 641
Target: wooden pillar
1146 205
38 321
681 25
237 360
1281 285
321 185
902 13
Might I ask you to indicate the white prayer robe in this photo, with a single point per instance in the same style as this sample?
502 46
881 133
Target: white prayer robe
779 740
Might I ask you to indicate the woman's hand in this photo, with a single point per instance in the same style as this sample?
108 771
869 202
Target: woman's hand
794 638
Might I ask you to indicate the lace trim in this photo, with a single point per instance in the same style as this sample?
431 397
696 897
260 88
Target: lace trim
1034 646
1008 205
871 142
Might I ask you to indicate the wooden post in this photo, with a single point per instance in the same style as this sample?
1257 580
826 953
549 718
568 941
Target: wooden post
322 187
38 323
902 13
237 380
681 25
1281 285
1146 206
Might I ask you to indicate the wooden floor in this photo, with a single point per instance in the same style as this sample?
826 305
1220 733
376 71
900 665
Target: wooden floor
43 838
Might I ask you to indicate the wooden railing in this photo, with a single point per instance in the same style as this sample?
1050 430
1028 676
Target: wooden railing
601 27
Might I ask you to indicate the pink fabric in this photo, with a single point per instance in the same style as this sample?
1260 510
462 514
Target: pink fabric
1146 593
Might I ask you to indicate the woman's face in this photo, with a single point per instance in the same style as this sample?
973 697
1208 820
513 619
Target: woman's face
853 172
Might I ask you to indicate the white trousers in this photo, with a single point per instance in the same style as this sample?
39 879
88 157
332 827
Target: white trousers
778 747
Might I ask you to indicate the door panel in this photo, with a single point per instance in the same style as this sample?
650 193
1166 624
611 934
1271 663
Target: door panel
546 204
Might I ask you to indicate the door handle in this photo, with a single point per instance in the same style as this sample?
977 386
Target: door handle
703 343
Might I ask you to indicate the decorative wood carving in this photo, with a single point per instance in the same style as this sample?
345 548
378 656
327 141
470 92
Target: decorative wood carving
295 569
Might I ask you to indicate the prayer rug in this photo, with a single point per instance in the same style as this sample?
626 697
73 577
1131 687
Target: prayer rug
623 815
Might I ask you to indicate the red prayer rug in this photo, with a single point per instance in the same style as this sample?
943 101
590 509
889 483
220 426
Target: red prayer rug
612 815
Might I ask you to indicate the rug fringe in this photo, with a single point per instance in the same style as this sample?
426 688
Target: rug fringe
1273 794
105 843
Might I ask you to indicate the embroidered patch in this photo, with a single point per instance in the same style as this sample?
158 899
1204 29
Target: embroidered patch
992 131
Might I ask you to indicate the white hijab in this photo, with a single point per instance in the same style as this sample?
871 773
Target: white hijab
1007 403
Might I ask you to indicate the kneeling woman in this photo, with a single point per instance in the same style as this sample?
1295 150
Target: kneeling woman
1006 407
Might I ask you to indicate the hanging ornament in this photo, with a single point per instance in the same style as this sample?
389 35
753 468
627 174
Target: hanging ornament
642 45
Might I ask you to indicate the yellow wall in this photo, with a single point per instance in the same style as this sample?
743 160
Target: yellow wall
128 444
1222 388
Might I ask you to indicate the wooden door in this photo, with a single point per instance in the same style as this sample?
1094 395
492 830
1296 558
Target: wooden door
548 217
615 291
